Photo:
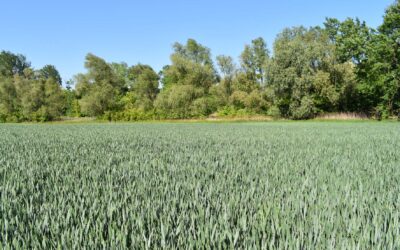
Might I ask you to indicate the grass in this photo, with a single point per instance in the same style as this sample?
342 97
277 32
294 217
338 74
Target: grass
342 116
308 185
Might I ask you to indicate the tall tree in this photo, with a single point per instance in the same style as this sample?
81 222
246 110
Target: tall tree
191 65
50 71
145 83
254 59
228 69
194 52
387 57
375 55
191 70
99 88
121 72
226 65
11 64
9 104
305 76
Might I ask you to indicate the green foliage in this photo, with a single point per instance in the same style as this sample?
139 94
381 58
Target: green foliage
255 101
238 99
242 82
203 106
343 66
351 38
226 65
252 101
49 71
12 64
254 59
194 52
99 88
187 82
387 57
177 101
232 112
186 72
101 98
305 76
72 107
145 85
376 55
121 74
274 112
129 115
23 99
305 109
9 103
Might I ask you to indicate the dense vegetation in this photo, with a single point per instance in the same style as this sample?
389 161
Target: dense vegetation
342 66
193 186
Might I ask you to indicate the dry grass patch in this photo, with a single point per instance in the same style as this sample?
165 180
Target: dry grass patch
342 116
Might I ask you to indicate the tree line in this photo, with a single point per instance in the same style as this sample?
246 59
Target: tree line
340 66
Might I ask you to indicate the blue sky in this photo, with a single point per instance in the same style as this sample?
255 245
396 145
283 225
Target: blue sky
63 32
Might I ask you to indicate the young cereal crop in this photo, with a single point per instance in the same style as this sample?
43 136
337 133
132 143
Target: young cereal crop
193 186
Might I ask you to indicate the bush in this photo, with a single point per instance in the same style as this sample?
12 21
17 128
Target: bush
381 112
226 111
177 102
255 102
3 118
274 112
128 115
238 99
305 110
203 106
42 115
230 111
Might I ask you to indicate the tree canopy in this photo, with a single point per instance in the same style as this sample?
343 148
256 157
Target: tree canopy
340 66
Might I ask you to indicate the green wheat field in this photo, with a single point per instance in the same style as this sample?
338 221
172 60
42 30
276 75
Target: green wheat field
285 185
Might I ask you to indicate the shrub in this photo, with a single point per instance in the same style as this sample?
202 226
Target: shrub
305 110
274 112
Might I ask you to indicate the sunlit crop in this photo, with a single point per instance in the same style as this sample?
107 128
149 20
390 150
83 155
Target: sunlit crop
193 186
